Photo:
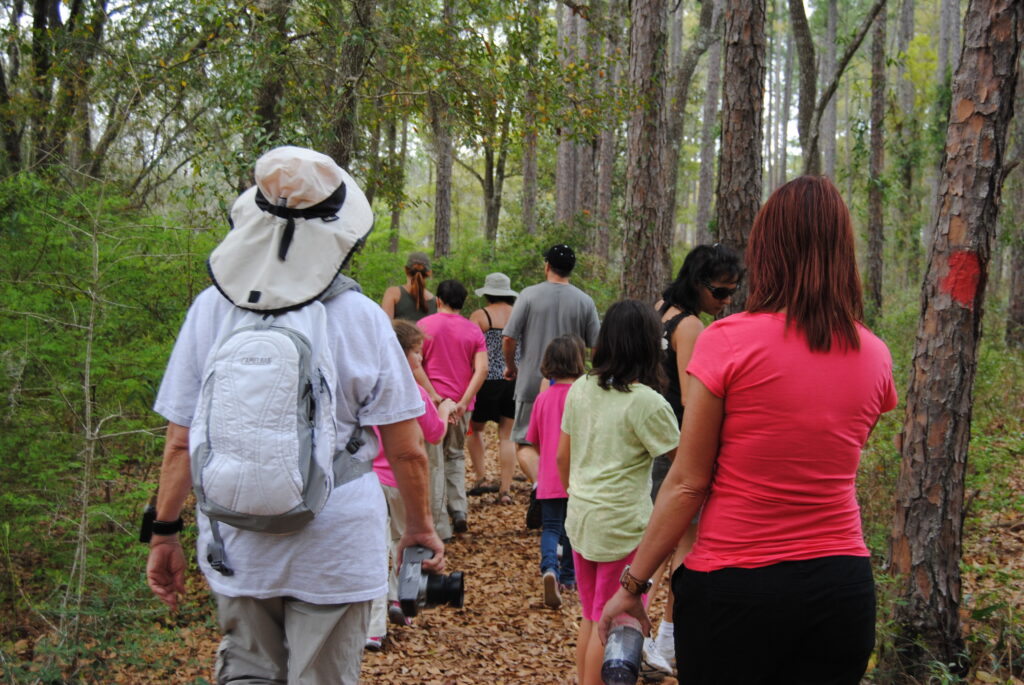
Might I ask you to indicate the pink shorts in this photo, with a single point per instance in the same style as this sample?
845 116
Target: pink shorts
597 581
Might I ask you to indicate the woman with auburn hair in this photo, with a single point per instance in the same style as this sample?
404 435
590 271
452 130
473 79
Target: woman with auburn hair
781 399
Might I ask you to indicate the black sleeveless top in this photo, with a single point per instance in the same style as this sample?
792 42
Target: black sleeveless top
673 393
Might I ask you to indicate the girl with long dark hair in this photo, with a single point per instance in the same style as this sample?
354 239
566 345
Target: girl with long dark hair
614 423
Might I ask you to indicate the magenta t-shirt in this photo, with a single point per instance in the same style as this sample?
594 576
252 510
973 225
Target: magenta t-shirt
795 422
433 430
450 344
545 430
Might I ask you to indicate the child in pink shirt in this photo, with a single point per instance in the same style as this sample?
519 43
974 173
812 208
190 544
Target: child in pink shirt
433 422
562 362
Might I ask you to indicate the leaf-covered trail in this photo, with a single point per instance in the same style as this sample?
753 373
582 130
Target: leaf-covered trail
504 634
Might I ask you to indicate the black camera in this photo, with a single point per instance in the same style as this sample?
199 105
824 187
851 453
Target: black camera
417 588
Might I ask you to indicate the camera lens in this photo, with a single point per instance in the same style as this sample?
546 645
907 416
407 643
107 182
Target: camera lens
445 589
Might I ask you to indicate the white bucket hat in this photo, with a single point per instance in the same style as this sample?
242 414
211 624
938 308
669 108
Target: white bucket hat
291 233
497 284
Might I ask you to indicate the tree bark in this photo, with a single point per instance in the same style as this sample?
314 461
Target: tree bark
828 68
739 163
876 167
709 122
907 144
608 140
565 161
787 99
529 200
926 543
354 52
810 150
644 241
673 117
808 93
443 182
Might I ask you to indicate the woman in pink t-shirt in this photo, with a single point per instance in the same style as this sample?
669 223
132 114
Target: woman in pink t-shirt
782 397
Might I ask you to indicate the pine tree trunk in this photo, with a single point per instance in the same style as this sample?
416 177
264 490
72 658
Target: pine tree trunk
787 100
926 543
739 163
828 69
645 242
565 161
907 144
709 122
443 183
608 140
876 167
530 126
1015 313
808 93
673 116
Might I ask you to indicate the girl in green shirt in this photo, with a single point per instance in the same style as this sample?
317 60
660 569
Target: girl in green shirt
615 423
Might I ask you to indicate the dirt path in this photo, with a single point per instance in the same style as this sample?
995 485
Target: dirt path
504 634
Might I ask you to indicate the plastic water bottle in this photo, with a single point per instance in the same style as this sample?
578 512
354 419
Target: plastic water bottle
622 652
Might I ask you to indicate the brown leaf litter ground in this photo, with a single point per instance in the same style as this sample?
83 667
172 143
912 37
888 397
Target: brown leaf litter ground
505 634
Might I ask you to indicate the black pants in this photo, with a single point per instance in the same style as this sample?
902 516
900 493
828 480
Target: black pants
797 622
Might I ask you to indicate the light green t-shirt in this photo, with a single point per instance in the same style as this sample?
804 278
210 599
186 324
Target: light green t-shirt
614 438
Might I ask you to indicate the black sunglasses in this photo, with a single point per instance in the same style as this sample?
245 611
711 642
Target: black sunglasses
720 292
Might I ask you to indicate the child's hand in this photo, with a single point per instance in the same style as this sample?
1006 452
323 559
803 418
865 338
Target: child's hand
457 411
444 409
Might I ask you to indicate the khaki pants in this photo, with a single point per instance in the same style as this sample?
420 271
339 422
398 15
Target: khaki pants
284 640
448 477
396 526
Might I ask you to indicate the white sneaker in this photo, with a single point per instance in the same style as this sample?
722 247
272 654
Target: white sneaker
666 649
654 658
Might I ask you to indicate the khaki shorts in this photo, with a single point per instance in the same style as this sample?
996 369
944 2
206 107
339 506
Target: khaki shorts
522 422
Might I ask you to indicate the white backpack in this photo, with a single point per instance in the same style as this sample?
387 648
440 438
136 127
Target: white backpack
264 446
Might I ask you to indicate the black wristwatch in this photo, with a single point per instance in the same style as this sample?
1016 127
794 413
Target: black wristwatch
150 526
633 585
168 527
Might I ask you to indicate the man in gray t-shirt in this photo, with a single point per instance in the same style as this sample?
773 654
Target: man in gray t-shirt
541 313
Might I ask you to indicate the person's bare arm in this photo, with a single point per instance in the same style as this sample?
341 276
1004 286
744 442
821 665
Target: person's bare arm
403 447
390 299
562 458
477 380
680 498
683 340
165 568
508 351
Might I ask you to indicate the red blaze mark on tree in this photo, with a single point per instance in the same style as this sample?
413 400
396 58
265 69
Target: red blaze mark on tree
962 280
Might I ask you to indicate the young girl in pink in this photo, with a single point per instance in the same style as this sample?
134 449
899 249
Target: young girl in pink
434 423
563 363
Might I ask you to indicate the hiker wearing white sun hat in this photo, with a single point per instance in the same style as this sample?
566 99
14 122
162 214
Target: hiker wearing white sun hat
292 607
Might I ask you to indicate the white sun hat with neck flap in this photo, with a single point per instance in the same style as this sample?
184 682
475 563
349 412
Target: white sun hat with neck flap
291 233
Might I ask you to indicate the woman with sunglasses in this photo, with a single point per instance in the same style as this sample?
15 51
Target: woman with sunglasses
781 400
705 283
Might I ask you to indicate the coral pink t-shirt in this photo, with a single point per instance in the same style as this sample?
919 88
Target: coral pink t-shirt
433 430
449 347
545 430
795 422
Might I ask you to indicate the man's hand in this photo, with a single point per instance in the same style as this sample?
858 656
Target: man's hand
428 540
165 569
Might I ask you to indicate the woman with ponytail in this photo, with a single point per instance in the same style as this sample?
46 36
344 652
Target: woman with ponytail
411 301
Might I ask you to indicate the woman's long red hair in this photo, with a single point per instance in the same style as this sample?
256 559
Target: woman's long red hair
800 256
